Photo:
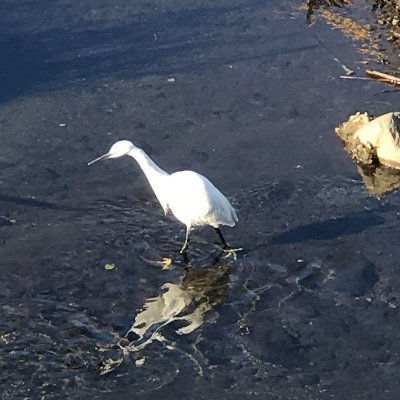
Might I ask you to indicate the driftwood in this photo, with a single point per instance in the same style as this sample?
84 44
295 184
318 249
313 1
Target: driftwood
384 78
375 75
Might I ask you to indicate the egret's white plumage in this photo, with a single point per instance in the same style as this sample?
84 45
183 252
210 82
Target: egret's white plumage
189 196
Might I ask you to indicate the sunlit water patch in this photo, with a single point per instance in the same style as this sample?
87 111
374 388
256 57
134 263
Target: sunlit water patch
312 255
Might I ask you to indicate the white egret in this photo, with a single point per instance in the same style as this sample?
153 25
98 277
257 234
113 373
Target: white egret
189 196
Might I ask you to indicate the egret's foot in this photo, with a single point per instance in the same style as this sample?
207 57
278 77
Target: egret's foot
166 263
231 252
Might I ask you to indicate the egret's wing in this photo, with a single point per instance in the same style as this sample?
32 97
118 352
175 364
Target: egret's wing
196 201
221 212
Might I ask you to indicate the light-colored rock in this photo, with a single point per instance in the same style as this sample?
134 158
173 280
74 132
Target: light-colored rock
382 134
374 144
372 141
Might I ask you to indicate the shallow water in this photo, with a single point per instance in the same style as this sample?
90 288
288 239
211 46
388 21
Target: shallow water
307 310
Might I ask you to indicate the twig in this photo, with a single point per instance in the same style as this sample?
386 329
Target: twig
358 78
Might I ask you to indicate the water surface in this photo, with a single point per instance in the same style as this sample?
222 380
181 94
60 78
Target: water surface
308 310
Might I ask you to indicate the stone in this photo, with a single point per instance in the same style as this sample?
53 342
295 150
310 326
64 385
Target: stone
383 135
374 144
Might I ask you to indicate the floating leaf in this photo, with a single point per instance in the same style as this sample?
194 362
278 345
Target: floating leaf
107 366
140 361
109 267
166 262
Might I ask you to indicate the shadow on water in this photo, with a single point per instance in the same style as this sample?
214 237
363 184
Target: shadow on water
156 43
145 44
331 228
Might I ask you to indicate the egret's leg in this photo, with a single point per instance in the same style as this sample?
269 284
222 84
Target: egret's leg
187 240
221 236
186 260
226 248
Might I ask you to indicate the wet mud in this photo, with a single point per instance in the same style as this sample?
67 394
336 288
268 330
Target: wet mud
307 310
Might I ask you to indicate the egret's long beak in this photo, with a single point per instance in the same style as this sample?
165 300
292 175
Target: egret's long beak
103 157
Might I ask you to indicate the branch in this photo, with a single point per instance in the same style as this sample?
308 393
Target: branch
384 78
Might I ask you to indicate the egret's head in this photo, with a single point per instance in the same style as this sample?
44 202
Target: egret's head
118 149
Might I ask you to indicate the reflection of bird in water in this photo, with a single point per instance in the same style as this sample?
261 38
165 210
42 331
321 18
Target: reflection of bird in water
189 196
187 302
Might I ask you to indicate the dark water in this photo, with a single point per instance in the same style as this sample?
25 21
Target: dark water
308 310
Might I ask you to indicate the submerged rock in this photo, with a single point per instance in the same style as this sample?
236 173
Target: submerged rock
374 144
356 278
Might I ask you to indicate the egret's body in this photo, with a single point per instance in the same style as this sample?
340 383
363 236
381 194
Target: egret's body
189 196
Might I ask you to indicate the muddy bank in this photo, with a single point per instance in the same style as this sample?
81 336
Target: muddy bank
387 13
375 29
389 17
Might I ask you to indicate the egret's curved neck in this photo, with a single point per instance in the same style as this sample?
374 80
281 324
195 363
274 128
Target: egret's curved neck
149 167
156 176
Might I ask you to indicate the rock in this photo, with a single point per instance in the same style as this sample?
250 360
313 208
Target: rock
383 135
375 146
356 278
358 151
372 141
